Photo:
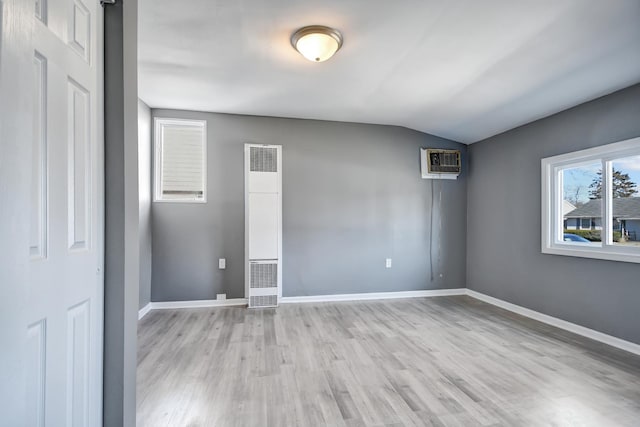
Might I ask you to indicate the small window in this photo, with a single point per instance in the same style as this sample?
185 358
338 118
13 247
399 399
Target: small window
180 160
591 202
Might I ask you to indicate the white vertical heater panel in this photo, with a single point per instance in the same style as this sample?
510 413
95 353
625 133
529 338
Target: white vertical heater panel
263 224
264 217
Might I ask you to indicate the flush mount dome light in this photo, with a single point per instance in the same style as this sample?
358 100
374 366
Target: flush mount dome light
317 43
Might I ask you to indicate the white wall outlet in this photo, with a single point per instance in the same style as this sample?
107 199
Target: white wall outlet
221 297
222 263
388 263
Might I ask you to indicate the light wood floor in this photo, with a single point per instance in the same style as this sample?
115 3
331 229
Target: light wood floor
448 361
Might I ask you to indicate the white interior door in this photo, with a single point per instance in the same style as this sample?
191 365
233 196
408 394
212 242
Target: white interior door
65 298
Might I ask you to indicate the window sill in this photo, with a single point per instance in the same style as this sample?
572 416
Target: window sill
619 254
181 201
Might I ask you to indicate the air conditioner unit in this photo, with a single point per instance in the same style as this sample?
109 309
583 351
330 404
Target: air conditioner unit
439 163
263 225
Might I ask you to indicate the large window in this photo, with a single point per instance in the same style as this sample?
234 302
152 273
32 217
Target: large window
591 202
180 160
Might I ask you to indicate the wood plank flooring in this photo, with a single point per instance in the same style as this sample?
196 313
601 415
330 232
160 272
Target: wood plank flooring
446 361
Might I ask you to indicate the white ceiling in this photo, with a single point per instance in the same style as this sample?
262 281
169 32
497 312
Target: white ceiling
463 70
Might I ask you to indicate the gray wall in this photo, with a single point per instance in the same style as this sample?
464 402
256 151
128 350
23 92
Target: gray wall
352 196
122 248
503 240
144 189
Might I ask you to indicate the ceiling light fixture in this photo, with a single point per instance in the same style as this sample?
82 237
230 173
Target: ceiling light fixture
317 43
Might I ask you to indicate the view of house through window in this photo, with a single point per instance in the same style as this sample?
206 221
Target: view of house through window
581 211
626 200
582 207
591 202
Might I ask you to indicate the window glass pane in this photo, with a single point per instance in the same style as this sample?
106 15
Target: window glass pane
626 201
581 204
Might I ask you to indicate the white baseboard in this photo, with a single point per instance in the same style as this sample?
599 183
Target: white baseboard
374 296
144 310
558 323
168 305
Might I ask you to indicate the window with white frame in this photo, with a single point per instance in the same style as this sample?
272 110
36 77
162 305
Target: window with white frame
180 160
591 202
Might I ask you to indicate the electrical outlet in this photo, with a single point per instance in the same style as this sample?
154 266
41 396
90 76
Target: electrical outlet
388 263
221 297
222 263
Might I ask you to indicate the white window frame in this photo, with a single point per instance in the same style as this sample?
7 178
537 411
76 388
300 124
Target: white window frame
159 122
552 232
582 227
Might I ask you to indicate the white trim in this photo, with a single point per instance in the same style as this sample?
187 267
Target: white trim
169 305
99 128
587 252
606 152
374 296
551 203
558 323
144 310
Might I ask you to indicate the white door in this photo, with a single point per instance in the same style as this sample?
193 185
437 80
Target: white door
64 244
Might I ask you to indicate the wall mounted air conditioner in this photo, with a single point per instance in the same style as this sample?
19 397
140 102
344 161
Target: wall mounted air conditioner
439 163
263 224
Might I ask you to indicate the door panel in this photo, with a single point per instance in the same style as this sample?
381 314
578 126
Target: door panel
78 355
79 166
36 344
38 232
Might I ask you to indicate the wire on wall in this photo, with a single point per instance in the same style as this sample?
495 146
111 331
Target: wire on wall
431 221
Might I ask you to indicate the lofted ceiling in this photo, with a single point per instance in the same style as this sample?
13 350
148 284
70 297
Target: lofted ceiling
463 70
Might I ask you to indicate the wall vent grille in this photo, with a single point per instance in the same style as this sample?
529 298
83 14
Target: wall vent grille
443 161
263 301
263 159
264 275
